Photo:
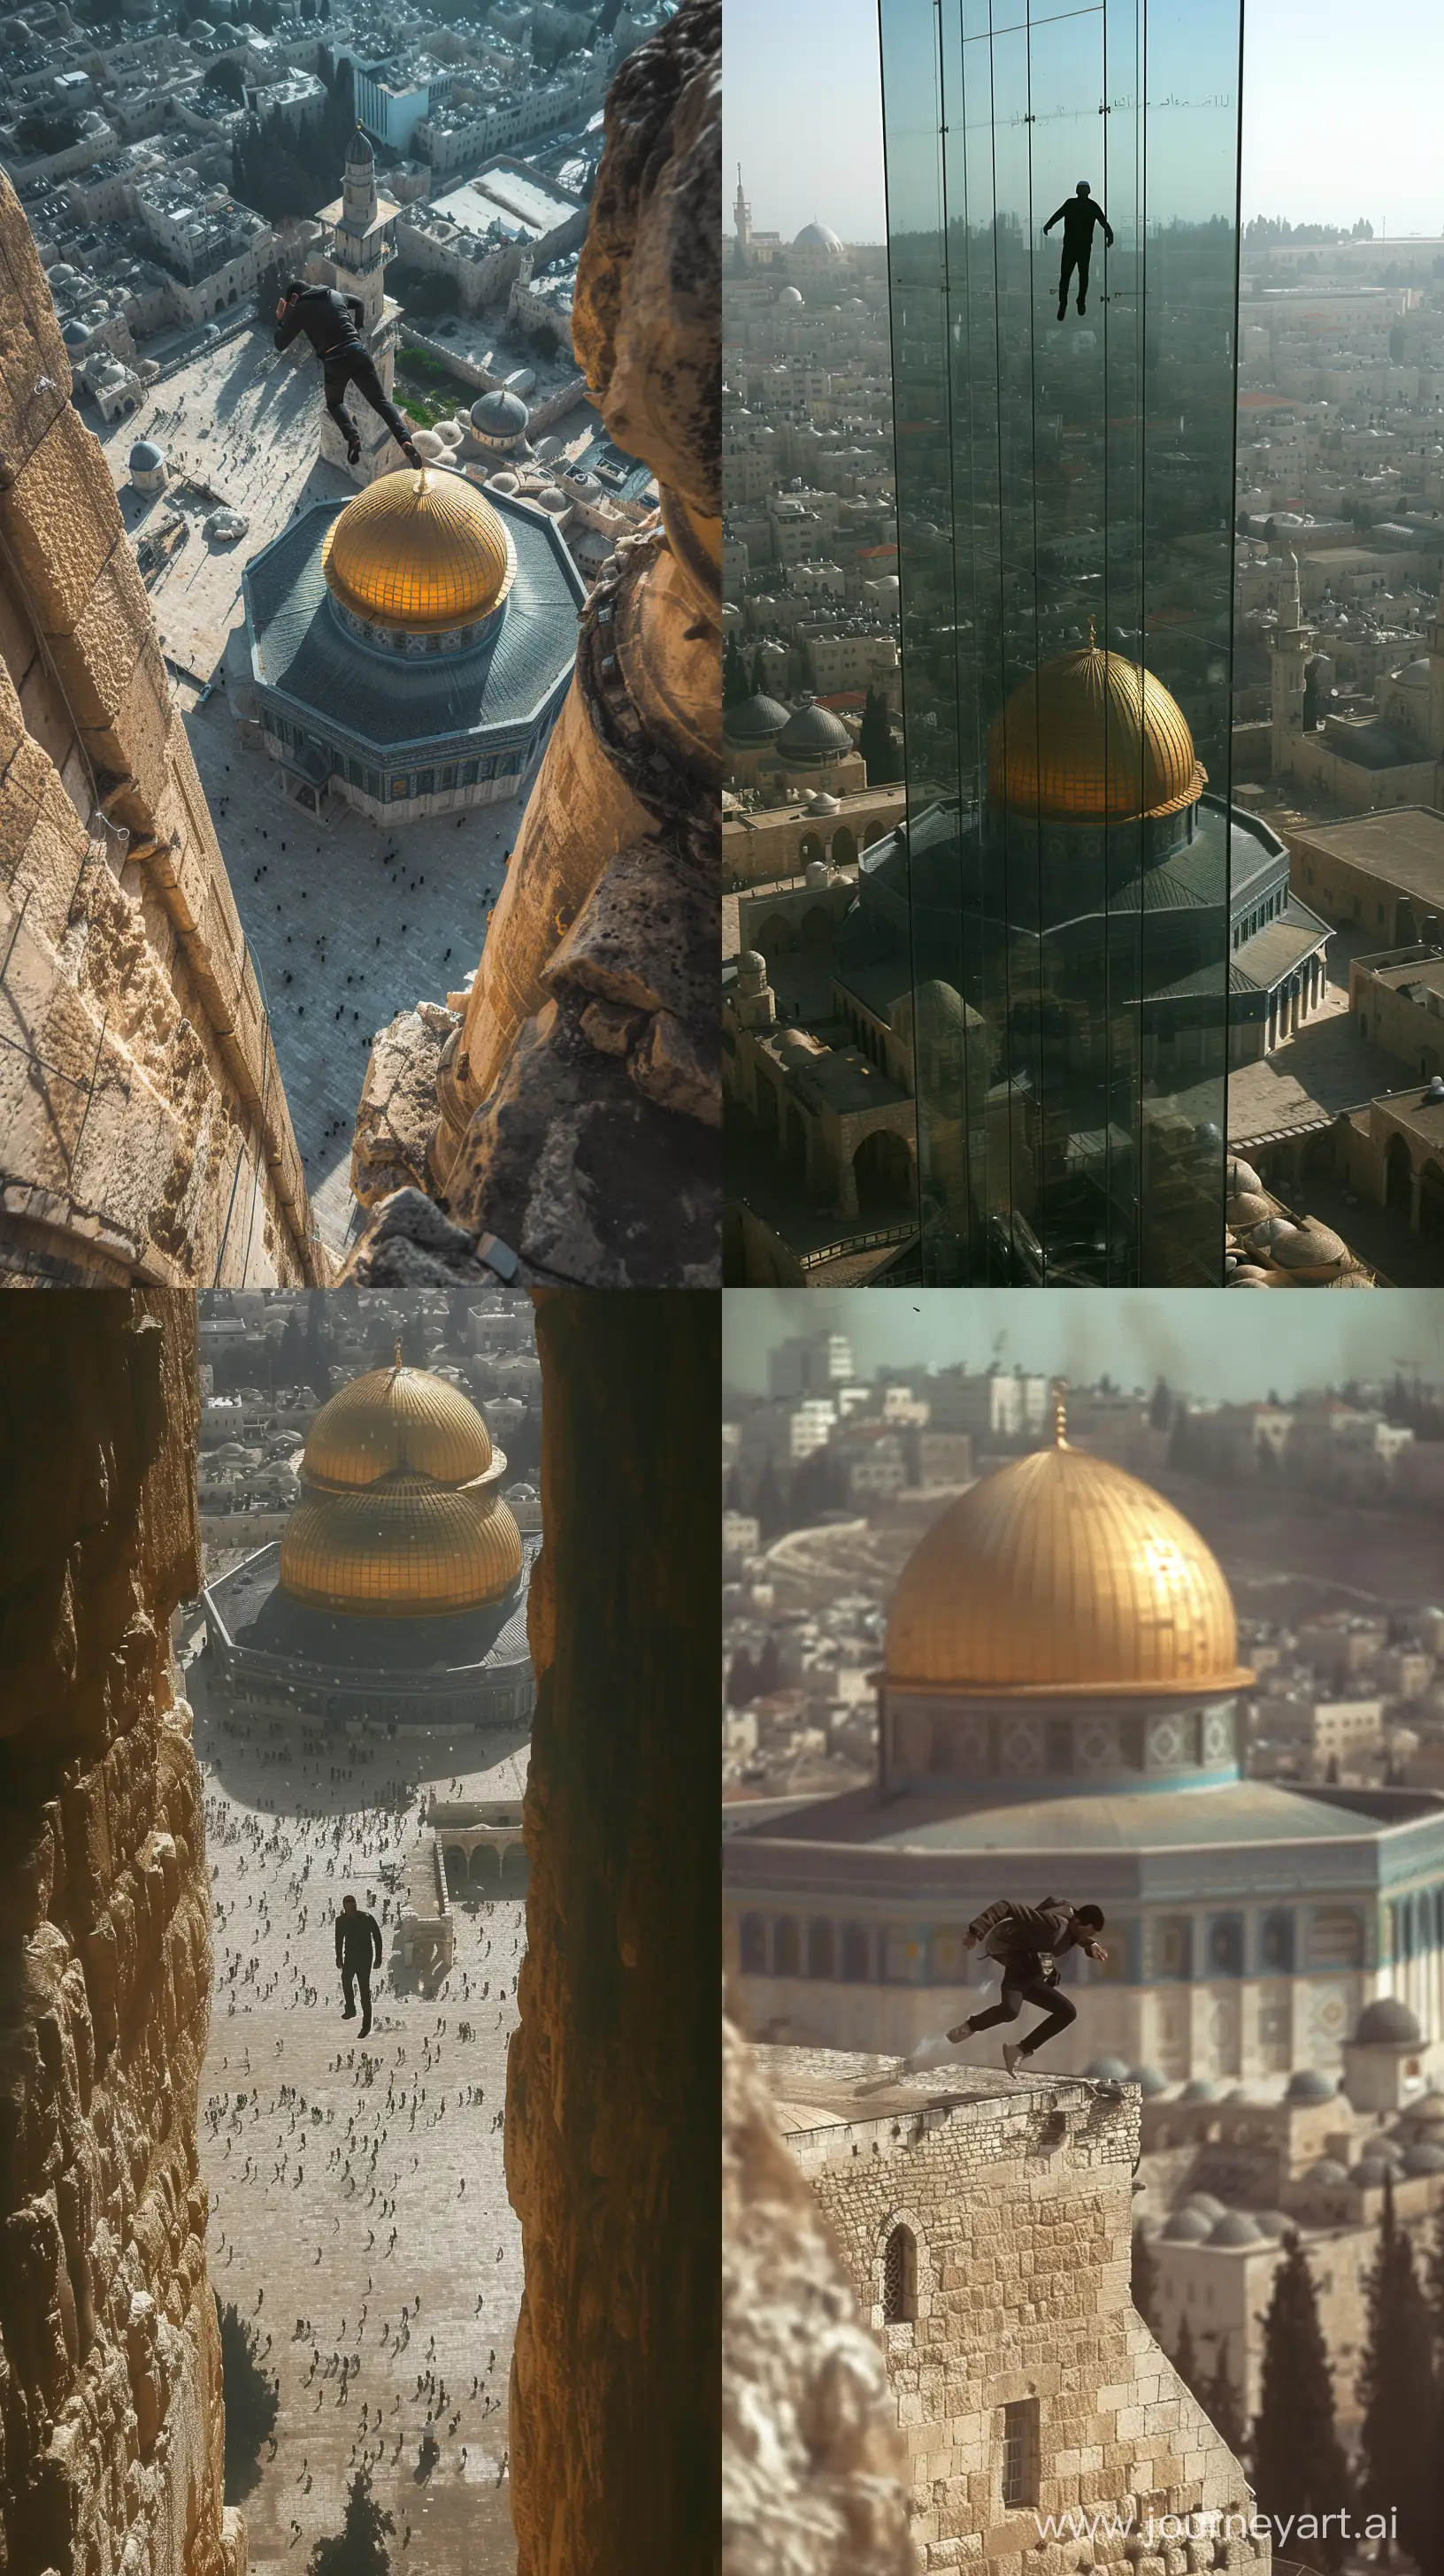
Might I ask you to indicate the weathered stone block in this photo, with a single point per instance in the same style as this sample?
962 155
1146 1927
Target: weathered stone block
61 521
34 367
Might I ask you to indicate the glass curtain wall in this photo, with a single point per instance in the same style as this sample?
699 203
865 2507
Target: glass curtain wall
1054 913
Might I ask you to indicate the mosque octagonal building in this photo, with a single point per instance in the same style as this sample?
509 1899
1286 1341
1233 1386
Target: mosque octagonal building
1058 1713
1119 935
407 651
398 1591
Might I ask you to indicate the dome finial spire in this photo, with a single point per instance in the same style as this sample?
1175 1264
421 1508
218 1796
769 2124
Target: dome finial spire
1092 635
398 1350
1060 1413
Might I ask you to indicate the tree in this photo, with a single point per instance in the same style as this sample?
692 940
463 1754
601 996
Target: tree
734 673
292 1356
359 2548
1298 2462
769 1670
768 1503
1144 2283
759 674
741 1688
875 740
229 79
316 1362
1397 2392
1222 2403
1185 2359
253 2401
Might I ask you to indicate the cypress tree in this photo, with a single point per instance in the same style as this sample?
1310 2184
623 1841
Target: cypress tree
1298 2462
253 2401
1222 2403
1397 2393
734 673
1185 2360
359 2548
759 675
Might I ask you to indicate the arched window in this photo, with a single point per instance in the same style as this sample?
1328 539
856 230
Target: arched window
821 1949
785 1949
856 1953
900 2278
754 1945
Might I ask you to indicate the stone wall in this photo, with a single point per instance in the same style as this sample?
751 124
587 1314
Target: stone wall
612 2094
1019 2202
144 1134
568 1105
814 2472
111 2423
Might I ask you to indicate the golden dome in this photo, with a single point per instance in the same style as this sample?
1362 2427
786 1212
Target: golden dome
406 1548
419 550
1092 738
1060 1575
393 1419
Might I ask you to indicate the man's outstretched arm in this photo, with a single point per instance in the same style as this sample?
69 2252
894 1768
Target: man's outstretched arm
1058 218
1107 227
287 329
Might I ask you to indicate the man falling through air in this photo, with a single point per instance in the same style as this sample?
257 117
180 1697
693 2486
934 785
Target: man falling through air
332 324
358 1936
1078 214
1027 1941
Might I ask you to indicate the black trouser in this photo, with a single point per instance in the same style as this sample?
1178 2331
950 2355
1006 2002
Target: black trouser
1074 259
356 366
1034 1988
357 1972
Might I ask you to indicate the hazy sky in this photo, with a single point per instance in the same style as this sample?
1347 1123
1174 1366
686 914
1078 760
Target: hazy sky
1341 113
1227 1342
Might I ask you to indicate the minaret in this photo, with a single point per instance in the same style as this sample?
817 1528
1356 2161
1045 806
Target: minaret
355 246
1287 655
743 214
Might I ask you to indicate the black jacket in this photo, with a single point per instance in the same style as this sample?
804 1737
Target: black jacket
1078 215
355 1936
1018 1935
329 319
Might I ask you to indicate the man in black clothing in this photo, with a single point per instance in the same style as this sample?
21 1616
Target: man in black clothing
332 324
1078 214
1027 1941
358 1936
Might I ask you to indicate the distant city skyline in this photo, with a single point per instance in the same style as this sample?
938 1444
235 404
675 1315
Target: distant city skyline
1205 1341
1333 130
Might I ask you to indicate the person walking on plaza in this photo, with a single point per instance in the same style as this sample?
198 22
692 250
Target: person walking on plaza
1027 1941
358 1937
331 322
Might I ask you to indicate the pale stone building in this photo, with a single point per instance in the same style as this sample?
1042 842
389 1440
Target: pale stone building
986 2230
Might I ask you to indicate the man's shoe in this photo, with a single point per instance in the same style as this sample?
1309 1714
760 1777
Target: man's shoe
1063 310
412 452
353 452
1082 307
350 2013
964 2031
1012 2051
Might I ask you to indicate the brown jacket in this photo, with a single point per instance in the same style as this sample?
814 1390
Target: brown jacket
1019 1935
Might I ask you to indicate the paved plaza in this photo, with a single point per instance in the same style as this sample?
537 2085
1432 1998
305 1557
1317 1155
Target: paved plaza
357 2189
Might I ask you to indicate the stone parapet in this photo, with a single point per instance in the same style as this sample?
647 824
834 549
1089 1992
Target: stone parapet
144 1133
1015 2201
